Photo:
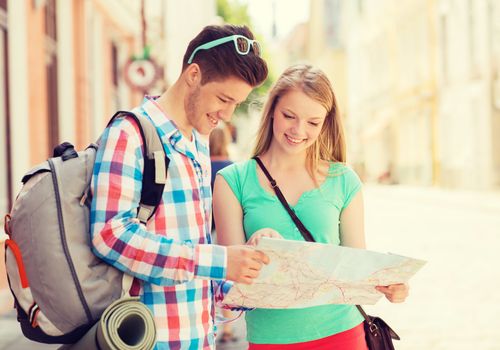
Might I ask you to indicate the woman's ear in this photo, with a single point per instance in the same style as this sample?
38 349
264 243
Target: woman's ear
192 75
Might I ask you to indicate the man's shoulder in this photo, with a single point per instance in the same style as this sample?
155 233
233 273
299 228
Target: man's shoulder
127 124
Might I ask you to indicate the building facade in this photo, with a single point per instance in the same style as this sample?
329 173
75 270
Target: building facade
423 91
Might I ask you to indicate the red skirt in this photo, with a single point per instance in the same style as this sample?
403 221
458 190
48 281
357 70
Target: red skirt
352 339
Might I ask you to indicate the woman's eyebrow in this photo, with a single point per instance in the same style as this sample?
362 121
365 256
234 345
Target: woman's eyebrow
288 110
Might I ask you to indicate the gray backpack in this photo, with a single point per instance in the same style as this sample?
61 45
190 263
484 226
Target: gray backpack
59 286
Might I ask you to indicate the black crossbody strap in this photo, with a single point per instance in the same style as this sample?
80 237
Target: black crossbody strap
303 230
363 313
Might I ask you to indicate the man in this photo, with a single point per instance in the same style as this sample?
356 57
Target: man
177 272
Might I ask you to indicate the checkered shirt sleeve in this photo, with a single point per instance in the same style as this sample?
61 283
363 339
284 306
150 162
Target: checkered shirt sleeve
117 236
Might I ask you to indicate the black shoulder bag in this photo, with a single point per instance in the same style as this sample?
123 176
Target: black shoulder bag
378 334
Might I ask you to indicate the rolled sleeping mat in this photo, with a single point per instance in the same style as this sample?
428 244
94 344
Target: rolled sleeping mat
125 324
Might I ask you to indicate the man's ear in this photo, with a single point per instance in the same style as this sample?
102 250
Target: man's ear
192 75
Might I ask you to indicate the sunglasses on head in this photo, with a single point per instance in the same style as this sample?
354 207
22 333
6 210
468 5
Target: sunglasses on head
241 43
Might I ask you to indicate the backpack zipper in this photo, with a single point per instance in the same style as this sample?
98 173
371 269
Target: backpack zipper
65 244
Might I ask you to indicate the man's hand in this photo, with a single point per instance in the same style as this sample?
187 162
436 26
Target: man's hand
244 263
264 232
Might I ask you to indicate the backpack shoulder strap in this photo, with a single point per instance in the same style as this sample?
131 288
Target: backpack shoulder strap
155 165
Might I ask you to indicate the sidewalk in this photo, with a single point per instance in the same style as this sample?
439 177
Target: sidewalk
11 337
239 332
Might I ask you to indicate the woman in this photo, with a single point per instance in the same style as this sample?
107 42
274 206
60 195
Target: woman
301 143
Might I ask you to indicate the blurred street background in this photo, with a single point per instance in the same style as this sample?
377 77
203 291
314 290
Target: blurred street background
417 82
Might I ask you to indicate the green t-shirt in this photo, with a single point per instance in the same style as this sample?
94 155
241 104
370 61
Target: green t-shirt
319 209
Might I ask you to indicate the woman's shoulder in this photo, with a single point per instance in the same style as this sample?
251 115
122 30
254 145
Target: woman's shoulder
339 168
343 172
240 167
345 182
237 176
219 164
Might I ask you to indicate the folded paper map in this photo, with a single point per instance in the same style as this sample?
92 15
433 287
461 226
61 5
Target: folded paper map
304 274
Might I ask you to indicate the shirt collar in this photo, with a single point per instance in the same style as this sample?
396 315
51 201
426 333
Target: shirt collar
159 117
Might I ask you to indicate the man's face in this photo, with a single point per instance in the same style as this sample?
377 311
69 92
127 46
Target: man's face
214 101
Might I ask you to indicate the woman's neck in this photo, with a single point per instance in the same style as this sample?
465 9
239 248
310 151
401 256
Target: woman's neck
281 161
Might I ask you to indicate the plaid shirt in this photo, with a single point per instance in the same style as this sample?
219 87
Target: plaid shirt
171 257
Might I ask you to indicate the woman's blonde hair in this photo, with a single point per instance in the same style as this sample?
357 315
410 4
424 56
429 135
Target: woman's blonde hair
330 145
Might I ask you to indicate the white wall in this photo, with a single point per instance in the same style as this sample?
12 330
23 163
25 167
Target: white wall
3 120
465 101
65 74
96 73
18 81
436 76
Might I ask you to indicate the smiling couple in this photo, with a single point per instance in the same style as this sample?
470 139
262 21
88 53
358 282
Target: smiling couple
178 273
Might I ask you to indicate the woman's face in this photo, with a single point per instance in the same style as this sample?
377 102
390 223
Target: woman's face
297 122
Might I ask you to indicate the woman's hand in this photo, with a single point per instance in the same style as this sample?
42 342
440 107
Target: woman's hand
264 232
395 293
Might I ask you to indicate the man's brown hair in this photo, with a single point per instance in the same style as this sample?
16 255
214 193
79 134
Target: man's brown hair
223 61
